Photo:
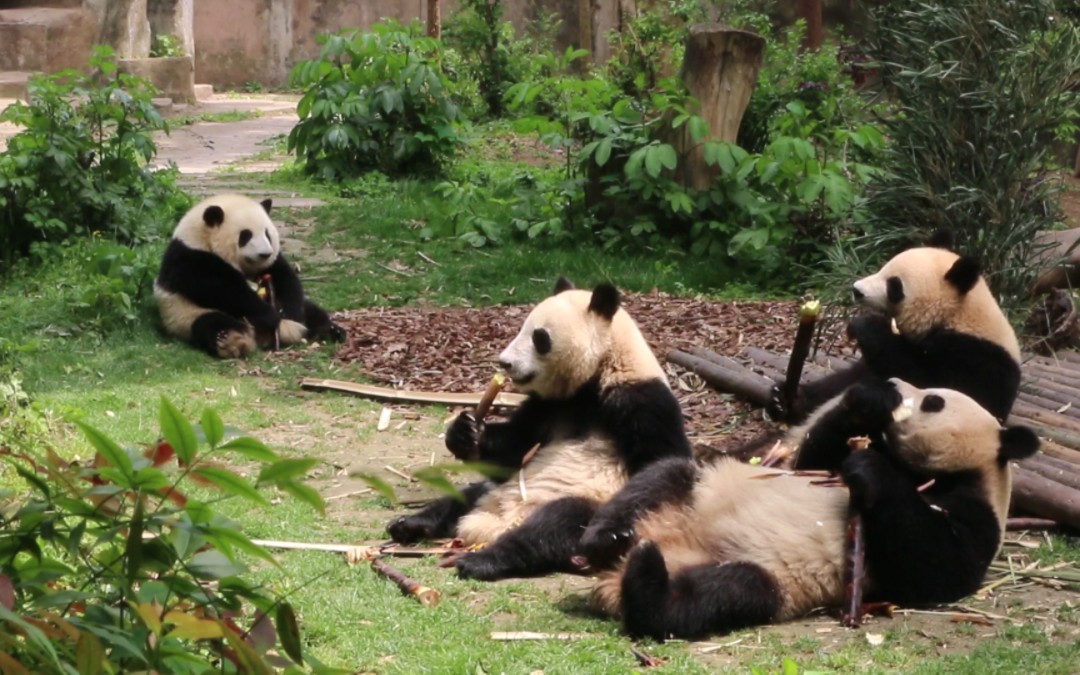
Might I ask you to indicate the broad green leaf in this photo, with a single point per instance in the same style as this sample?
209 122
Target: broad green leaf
603 152
212 427
667 155
230 483
178 431
699 128
286 469
250 448
653 165
306 494
289 632
238 540
108 448
213 565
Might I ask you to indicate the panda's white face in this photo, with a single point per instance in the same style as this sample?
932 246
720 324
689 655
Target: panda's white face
560 346
943 431
236 229
912 288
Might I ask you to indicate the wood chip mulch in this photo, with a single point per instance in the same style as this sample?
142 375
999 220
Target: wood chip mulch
455 348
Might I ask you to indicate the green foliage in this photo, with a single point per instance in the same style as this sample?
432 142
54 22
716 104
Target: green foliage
114 564
79 167
982 86
166 45
491 53
377 100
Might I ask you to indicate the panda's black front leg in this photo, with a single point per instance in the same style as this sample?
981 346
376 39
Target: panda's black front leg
319 324
543 544
865 410
437 519
921 547
698 601
610 533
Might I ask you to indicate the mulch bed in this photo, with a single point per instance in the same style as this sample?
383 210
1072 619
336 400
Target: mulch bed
454 349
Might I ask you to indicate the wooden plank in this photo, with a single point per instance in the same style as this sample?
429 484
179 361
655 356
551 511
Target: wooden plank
504 399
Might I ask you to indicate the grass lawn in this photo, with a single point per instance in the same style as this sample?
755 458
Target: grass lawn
365 250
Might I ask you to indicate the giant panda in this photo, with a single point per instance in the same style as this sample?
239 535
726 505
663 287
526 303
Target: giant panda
204 293
735 545
599 409
933 321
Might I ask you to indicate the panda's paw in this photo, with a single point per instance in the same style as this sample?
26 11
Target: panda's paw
604 543
410 529
776 408
234 344
463 436
291 332
479 565
336 333
865 329
872 404
866 472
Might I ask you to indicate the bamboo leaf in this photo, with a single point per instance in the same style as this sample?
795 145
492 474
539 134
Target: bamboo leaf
178 431
230 483
289 632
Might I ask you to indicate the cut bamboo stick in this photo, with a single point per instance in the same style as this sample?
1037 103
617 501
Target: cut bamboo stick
504 399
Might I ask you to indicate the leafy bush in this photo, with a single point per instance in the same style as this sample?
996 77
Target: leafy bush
492 54
79 167
114 565
377 100
982 86
166 45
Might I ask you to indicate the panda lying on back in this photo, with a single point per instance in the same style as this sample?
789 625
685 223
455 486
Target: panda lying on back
599 408
725 547
950 333
203 289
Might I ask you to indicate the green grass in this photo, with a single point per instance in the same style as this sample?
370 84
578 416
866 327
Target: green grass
77 362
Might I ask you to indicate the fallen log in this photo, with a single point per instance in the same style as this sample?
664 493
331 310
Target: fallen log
811 371
1060 407
1021 524
1062 453
504 399
1044 468
742 383
1044 497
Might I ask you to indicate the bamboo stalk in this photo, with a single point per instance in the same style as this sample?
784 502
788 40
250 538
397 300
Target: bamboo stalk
427 596
385 393
498 381
808 315
855 556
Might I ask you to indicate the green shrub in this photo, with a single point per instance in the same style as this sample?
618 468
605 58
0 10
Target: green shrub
115 565
982 87
79 167
377 100
166 45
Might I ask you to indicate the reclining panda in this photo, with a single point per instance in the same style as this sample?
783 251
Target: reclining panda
728 546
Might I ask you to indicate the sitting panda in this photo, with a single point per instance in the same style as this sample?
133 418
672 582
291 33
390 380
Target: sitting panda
735 545
204 290
599 409
949 333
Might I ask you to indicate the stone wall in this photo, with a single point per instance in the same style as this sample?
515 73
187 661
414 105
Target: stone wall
261 40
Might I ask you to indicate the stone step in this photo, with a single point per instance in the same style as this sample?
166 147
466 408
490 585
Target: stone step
13 83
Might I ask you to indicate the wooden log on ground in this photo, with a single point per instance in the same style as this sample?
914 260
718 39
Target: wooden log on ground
1052 400
1040 466
1059 464
1019 524
1041 496
1053 383
742 383
811 371
1062 453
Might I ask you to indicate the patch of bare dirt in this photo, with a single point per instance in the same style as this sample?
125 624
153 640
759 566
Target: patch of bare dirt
455 349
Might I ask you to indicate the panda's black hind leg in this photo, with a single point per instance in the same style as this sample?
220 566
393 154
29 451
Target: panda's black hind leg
698 601
437 519
319 324
544 543
219 334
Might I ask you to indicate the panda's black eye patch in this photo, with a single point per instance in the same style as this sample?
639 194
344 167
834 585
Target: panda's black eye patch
932 403
894 290
245 237
541 341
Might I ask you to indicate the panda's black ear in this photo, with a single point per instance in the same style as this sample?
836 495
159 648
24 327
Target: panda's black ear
964 274
1017 443
213 216
942 239
266 204
563 284
605 300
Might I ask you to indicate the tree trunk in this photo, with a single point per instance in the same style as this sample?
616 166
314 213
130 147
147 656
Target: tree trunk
810 11
585 28
720 69
434 19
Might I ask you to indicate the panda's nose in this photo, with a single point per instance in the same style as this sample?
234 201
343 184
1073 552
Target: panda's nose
857 294
264 256
504 364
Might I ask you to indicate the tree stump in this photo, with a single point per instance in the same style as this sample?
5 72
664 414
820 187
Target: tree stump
720 69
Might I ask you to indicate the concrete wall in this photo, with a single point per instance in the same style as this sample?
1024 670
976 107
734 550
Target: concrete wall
261 40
